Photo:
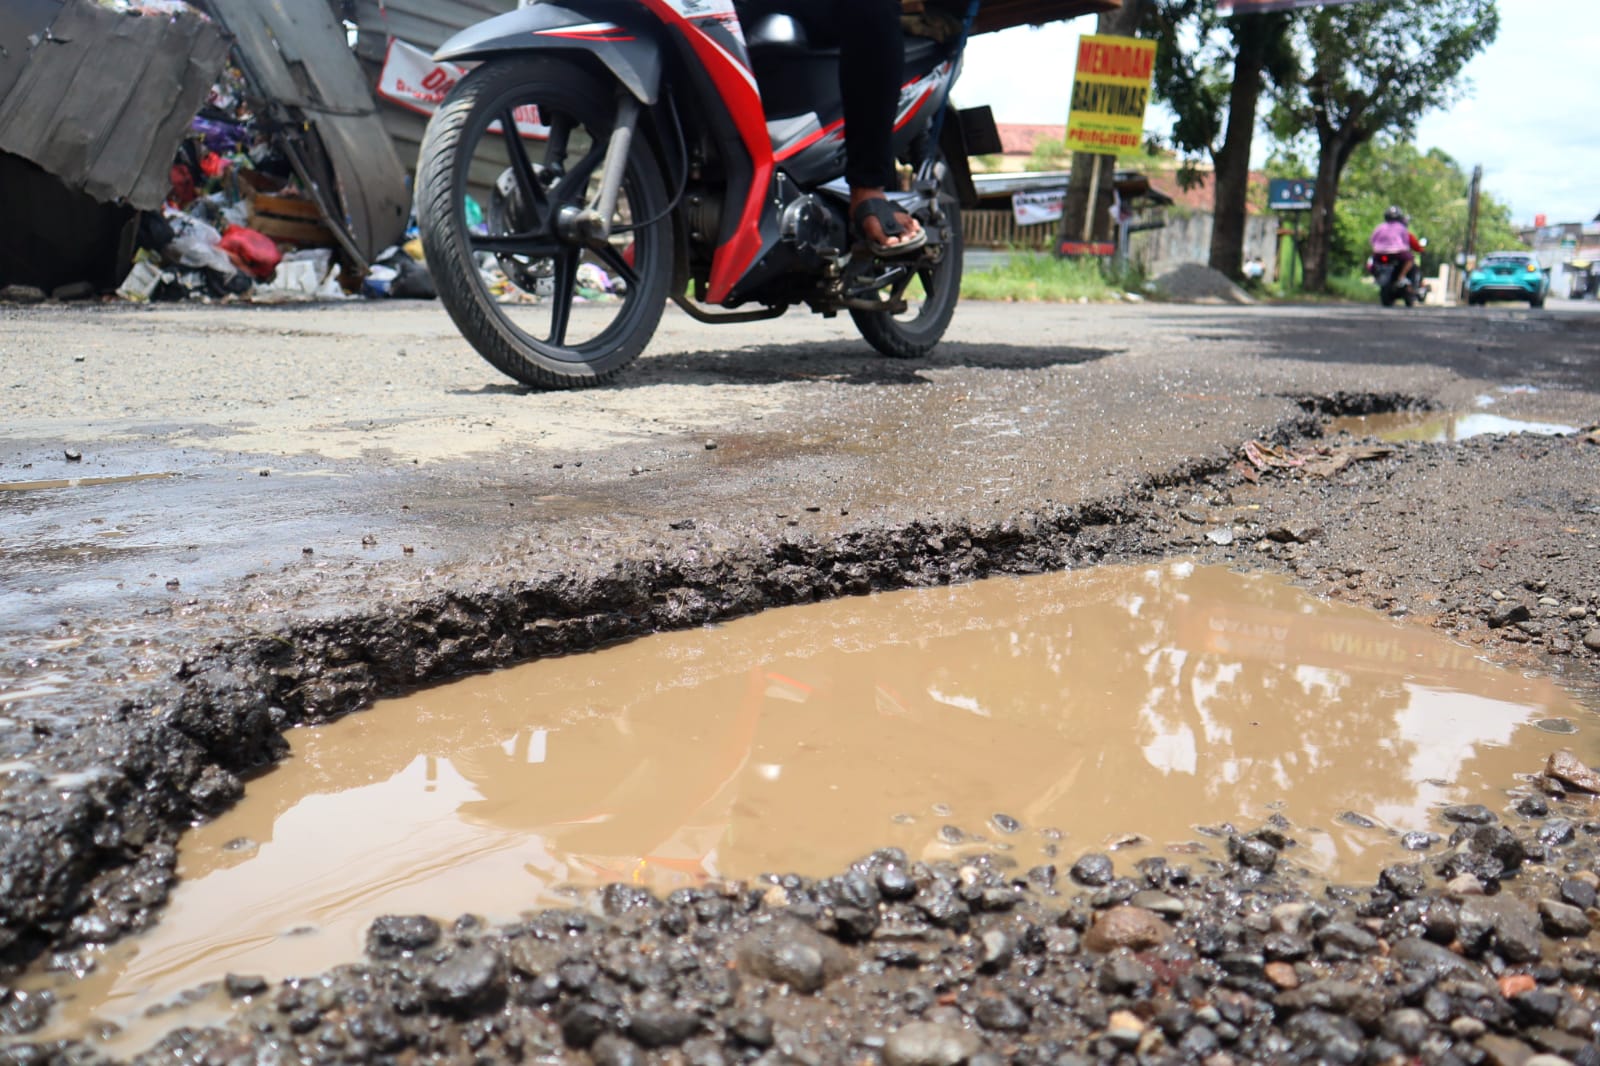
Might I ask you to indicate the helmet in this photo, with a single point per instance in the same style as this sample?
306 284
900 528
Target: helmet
1394 214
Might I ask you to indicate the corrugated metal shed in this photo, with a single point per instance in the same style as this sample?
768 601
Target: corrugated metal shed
101 99
295 54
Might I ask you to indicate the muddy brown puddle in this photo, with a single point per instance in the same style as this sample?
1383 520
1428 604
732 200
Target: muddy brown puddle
1441 427
1043 716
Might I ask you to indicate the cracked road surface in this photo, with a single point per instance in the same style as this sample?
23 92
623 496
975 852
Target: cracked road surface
218 522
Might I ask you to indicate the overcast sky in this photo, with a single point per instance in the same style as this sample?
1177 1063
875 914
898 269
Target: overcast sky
1531 115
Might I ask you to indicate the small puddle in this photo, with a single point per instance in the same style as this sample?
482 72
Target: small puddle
1440 427
79 482
1043 716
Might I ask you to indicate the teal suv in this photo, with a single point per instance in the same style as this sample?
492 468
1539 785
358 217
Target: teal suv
1508 276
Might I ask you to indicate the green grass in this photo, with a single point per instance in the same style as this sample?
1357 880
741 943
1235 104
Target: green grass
1029 278
1352 287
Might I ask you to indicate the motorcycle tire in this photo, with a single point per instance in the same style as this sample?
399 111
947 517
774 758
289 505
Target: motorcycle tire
1387 298
1411 298
494 318
920 329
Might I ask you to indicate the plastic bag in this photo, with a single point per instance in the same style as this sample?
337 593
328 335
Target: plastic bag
252 251
197 244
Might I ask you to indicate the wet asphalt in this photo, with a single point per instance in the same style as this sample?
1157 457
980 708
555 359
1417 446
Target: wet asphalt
350 503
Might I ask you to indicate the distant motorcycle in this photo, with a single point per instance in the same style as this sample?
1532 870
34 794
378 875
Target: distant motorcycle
1395 283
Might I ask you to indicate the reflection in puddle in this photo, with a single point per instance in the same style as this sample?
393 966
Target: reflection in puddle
1439 427
1085 706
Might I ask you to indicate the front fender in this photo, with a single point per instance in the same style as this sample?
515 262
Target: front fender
630 51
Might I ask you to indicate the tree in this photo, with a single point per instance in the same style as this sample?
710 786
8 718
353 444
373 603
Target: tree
1429 186
1373 68
1207 66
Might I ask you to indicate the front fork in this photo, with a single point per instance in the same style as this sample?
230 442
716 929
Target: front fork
593 224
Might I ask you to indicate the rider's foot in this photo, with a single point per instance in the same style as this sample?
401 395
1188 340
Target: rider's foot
872 228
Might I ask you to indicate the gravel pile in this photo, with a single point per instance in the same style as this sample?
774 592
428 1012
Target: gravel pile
1479 952
1198 284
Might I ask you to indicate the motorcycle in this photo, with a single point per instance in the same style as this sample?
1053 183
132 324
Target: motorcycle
1395 283
635 151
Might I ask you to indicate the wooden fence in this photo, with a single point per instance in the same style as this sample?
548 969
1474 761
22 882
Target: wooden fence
999 229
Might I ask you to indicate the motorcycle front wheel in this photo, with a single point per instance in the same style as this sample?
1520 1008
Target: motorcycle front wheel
511 155
914 332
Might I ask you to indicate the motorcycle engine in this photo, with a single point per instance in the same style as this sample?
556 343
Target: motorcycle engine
814 225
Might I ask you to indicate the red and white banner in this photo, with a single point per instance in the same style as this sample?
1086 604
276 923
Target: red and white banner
415 82
1034 208
1256 7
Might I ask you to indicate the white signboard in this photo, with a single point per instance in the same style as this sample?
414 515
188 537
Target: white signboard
1033 208
413 80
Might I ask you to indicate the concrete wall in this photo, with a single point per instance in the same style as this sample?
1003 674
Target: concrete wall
1187 239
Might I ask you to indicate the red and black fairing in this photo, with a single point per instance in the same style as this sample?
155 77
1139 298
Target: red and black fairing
700 47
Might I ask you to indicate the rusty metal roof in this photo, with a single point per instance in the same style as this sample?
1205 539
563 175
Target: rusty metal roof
1003 14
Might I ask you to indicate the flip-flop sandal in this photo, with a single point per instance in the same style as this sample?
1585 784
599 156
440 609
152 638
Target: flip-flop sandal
884 211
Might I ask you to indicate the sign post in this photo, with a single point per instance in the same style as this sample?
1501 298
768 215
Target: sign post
1110 90
1291 196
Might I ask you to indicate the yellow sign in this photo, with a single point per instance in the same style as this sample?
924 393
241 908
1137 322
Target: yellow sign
1109 94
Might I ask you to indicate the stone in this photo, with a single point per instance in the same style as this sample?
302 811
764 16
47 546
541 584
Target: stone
1563 919
1578 892
662 1027
1000 1013
1508 613
1591 640
1332 1038
930 1044
612 1050
1503 1051
1124 974
583 1024
1124 1028
1283 975
1417 840
469 975
1342 940
1252 853
753 1027
1286 917
392 935
1403 880
1499 843
995 949
241 985
1570 770
1295 532
1515 925
791 954
1159 902
22 294
1126 926
1464 885
1093 870
1469 814
1407 1027
1434 960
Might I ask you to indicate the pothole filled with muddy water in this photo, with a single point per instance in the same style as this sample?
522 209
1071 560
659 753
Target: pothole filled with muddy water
1134 709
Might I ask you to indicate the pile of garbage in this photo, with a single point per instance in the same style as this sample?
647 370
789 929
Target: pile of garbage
237 226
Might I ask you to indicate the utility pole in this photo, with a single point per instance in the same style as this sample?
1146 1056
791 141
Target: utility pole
1470 252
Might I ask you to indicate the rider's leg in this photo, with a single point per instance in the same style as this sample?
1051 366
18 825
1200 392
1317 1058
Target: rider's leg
871 68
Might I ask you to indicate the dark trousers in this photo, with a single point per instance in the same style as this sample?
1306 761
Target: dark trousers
871 68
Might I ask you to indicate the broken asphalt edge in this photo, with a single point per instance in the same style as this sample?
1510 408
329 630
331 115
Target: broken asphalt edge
94 862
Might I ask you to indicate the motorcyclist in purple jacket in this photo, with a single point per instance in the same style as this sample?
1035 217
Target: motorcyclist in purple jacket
1394 237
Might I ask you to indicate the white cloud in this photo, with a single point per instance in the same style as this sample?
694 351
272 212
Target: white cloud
1531 115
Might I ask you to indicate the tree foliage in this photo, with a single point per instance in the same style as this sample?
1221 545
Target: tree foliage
1371 69
1210 72
1430 187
